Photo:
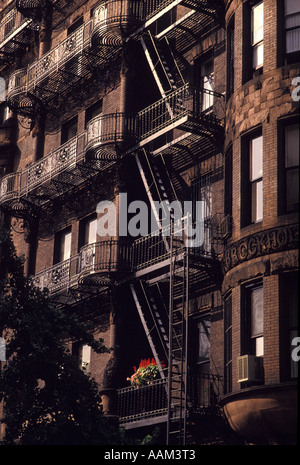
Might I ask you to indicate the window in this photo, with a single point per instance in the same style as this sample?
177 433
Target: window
88 235
228 344
257 33
75 25
85 357
93 111
252 180
82 352
256 173
292 29
257 320
230 58
289 304
88 231
4 113
91 231
69 130
291 159
207 83
228 183
201 191
203 354
62 246
252 332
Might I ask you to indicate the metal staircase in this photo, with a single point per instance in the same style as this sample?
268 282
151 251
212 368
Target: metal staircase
158 185
162 63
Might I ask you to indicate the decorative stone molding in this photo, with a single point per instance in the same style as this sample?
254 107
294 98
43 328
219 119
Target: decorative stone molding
260 244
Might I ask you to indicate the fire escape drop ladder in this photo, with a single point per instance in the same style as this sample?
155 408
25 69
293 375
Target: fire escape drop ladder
178 347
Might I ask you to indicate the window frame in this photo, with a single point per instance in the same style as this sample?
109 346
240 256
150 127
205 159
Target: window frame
292 56
255 44
248 185
65 128
228 343
58 241
282 169
248 340
287 330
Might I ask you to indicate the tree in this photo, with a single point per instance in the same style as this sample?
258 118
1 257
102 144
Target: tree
48 399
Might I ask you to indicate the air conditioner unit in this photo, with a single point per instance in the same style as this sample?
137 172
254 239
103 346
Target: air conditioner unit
249 368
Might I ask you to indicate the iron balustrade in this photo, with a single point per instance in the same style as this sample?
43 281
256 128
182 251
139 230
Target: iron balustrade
112 255
143 402
71 48
66 157
204 391
184 103
114 19
155 247
12 24
101 257
58 277
103 130
110 128
56 58
116 256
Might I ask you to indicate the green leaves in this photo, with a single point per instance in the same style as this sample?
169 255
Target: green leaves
48 398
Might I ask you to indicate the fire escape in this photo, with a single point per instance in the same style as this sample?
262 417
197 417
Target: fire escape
179 126
65 75
161 269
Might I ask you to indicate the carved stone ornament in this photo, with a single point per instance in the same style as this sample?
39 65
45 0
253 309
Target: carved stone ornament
260 244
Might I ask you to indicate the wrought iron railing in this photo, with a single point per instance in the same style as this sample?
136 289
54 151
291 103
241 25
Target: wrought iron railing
110 256
64 158
204 391
154 7
143 402
114 127
12 24
156 247
102 131
72 46
182 105
114 19
186 101
101 257
117 256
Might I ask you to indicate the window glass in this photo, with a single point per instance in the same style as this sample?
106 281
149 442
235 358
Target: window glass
256 168
204 343
69 130
256 173
292 166
207 77
257 321
91 232
257 23
292 25
65 246
292 145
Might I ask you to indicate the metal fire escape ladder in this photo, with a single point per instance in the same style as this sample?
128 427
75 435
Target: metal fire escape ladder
178 356
153 323
162 63
158 186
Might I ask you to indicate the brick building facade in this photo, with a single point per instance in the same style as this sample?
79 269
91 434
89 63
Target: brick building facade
164 101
